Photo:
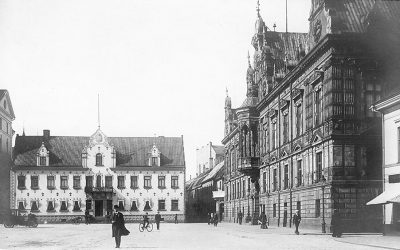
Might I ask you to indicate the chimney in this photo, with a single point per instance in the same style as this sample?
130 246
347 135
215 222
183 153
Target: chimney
46 134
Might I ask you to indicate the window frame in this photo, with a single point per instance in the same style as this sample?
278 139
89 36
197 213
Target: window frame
134 182
161 205
174 205
76 182
21 182
64 182
99 160
51 182
174 181
108 181
147 182
161 182
121 181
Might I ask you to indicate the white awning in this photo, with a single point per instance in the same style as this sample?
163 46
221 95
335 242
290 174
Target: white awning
390 195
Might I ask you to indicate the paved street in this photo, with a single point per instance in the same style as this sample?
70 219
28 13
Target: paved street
182 236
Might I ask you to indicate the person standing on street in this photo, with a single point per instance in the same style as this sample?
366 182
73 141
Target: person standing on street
263 218
86 216
118 226
208 218
176 218
240 217
296 221
215 219
158 219
336 224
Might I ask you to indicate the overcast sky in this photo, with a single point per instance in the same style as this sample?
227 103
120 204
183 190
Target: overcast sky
160 67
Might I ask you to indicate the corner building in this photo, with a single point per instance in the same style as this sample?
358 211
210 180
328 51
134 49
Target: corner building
59 177
305 138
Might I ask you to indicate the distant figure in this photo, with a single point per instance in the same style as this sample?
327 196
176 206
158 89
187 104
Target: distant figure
215 219
176 218
336 224
296 221
263 219
145 220
158 219
118 226
240 217
208 218
87 216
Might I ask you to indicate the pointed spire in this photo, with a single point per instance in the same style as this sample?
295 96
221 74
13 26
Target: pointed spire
226 89
258 8
23 128
248 58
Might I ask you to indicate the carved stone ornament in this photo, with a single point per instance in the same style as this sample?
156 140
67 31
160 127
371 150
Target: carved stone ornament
272 113
283 104
296 92
317 29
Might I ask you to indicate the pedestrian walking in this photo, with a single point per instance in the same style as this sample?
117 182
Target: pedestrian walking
336 224
263 218
215 220
118 226
87 216
176 218
208 218
158 219
240 217
296 221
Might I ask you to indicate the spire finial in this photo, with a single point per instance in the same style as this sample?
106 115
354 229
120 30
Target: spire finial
248 58
226 89
23 128
98 110
258 8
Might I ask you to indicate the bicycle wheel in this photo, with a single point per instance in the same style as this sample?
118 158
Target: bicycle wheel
141 227
149 227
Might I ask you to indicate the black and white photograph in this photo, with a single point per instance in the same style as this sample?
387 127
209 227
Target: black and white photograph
200 124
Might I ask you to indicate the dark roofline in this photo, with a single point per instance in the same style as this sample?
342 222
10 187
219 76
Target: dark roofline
49 168
148 168
386 103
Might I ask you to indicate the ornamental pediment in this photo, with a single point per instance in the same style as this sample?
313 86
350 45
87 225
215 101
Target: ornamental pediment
98 138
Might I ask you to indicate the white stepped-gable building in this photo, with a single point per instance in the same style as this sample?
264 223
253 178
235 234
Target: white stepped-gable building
59 177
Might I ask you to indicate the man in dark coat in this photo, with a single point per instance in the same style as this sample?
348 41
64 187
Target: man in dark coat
158 219
176 218
336 224
240 217
215 219
87 216
296 221
263 218
118 226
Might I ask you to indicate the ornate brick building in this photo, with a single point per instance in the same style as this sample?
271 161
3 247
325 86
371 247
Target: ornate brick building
304 138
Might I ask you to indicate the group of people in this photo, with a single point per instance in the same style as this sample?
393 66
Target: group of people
213 219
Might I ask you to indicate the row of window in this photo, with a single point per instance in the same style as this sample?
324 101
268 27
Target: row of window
298 207
7 126
77 207
99 182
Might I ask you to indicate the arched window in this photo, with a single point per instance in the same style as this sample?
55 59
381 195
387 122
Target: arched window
99 159
98 181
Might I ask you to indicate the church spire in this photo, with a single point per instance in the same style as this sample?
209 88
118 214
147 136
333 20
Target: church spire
258 8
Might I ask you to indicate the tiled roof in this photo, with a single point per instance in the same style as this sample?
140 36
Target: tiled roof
130 151
249 102
2 92
219 150
196 182
214 171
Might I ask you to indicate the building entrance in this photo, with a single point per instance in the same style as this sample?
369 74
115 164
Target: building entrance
98 208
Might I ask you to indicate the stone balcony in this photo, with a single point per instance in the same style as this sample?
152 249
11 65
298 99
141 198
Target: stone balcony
249 166
218 195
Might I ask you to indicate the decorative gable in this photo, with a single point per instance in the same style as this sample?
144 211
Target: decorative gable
154 159
5 104
42 156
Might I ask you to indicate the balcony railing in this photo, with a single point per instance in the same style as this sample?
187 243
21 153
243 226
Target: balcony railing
249 162
99 189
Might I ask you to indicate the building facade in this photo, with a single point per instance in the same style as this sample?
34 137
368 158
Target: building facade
390 197
304 138
208 156
59 177
6 134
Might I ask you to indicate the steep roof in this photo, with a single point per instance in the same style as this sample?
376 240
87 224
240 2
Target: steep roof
214 171
130 151
219 150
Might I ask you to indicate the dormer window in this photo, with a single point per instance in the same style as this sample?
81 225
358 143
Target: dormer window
42 156
154 159
99 159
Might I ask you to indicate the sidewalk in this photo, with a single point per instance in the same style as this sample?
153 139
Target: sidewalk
361 239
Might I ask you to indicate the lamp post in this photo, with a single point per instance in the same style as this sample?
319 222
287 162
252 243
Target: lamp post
323 205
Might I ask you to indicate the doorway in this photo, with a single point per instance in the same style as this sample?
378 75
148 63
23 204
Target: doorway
98 208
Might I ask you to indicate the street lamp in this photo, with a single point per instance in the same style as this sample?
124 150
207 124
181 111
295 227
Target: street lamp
323 205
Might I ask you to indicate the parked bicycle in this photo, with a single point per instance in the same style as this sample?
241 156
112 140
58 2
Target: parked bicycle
149 227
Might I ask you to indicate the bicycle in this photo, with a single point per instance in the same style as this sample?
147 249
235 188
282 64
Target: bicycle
149 227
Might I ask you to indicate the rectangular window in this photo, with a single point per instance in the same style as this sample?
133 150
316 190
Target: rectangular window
264 182
318 162
77 206
161 205
89 181
273 135
134 206
108 180
244 188
318 107
21 206
42 160
147 181
317 208
174 205
174 182
161 181
34 182
154 161
121 205
63 207
299 174
134 182
51 182
34 206
285 128
299 120
21 182
50 206
77 182
121 182
286 177
274 210
64 182
275 185
395 178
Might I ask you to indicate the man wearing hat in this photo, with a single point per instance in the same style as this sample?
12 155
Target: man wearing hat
296 221
118 226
